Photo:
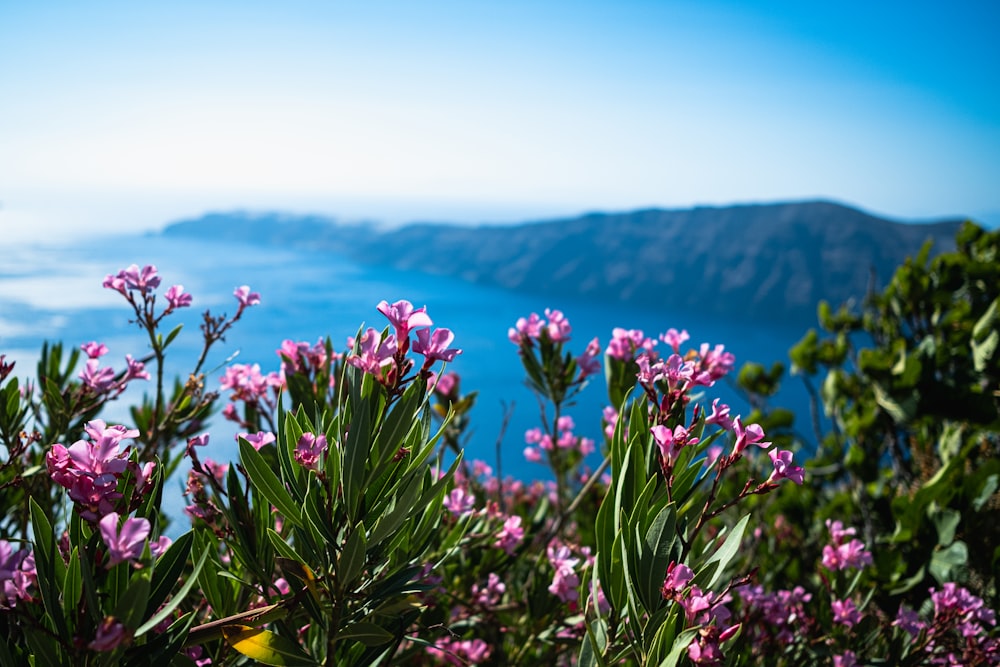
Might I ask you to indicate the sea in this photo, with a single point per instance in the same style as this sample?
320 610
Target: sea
52 292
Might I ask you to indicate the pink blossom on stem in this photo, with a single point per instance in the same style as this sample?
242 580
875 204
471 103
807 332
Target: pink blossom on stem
434 346
844 556
127 543
110 635
845 613
526 329
446 383
459 502
678 577
491 593
565 423
177 297
565 581
626 344
143 280
99 380
558 327
257 440
510 536
404 317
716 361
374 354
783 468
93 349
675 338
17 573
309 449
135 370
749 435
720 416
677 372
245 297
532 455
845 659
671 442
589 362
159 546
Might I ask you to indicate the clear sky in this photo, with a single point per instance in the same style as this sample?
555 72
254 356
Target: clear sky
128 114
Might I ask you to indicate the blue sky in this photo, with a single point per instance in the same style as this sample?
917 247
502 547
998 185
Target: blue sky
119 115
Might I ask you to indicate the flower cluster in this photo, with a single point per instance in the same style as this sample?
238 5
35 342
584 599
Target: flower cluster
385 358
843 554
90 469
17 574
539 441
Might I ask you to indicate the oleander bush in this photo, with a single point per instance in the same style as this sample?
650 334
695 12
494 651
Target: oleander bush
353 531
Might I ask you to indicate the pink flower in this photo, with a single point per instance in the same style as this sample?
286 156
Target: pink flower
750 435
783 468
533 436
589 362
93 349
532 455
404 317
845 659
246 297
446 383
565 423
716 362
459 502
525 330
177 297
99 380
110 635
626 343
434 346
257 440
309 449
159 546
845 613
678 577
125 544
510 535
135 370
671 442
491 593
720 416
374 354
565 582
17 573
674 339
558 327
844 556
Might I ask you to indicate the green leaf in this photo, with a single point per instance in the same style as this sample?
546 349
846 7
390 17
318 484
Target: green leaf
176 600
265 646
720 559
944 562
660 540
946 521
352 558
265 481
368 634
72 586
167 571
356 449
51 571
132 603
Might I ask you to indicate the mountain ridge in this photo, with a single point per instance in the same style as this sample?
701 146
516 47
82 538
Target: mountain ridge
755 261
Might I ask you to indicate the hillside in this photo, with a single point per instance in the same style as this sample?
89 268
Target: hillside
750 261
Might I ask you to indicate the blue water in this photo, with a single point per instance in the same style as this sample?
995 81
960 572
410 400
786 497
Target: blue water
54 293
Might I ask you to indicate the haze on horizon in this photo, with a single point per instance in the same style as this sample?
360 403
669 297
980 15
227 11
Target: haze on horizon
122 116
